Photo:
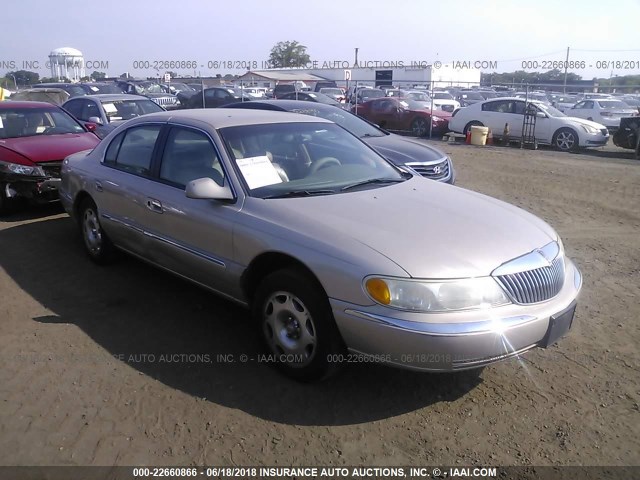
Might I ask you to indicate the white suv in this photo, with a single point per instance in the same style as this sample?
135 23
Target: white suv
552 126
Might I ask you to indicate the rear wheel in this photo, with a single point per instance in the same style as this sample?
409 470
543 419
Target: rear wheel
473 123
419 127
566 140
297 326
96 242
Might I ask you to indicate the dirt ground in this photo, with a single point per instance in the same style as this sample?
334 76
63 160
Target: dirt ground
119 365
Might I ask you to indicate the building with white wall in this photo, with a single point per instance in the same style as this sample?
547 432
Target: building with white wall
429 76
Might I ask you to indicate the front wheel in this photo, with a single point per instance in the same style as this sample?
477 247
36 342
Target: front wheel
297 326
566 140
419 127
96 242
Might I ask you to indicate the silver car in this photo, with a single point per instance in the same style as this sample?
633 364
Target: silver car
339 255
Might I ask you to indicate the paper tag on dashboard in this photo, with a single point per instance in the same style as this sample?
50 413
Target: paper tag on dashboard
258 171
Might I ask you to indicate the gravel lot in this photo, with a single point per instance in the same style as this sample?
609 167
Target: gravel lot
119 365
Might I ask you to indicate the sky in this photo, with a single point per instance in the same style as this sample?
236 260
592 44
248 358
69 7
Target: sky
209 37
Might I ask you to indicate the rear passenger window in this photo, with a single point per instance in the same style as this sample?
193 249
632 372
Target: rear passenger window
189 155
136 149
112 150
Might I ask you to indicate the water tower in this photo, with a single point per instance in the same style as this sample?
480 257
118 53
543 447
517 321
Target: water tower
67 62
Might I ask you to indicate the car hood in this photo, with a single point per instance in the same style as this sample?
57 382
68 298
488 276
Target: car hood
429 229
48 148
582 121
400 150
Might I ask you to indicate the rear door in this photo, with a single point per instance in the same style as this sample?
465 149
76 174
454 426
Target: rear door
121 189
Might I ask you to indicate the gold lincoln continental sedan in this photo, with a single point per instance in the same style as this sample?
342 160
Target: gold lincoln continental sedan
334 250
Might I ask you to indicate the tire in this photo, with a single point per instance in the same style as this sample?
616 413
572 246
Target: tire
96 242
419 127
296 325
566 140
473 123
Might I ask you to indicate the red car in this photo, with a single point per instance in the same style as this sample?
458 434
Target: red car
35 137
404 114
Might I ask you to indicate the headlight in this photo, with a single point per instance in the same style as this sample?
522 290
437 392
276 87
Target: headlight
436 296
590 129
436 119
18 169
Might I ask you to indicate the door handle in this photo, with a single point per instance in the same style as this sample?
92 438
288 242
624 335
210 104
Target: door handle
154 205
98 186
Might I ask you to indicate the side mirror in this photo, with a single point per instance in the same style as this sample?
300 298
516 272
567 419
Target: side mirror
91 126
95 120
207 189
541 115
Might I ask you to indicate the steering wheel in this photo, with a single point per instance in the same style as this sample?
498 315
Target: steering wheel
54 130
323 163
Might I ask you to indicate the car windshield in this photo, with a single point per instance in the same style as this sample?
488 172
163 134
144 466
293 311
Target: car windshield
412 104
104 88
183 87
331 91
350 122
549 110
471 96
371 93
419 96
303 159
30 122
148 87
126 109
442 96
612 104
567 99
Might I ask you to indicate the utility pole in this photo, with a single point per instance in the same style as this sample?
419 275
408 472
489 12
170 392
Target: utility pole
355 64
566 65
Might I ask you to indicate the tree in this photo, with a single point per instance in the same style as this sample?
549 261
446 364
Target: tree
288 54
23 77
98 75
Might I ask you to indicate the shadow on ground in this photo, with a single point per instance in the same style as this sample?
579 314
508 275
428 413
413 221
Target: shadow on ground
134 311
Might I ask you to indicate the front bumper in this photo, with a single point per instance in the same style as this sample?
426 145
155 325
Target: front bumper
34 189
451 341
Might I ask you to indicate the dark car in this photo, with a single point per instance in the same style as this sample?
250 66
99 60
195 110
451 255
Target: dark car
216 97
628 135
404 114
110 110
73 89
35 137
283 88
151 90
416 156
468 97
324 84
98 88
312 97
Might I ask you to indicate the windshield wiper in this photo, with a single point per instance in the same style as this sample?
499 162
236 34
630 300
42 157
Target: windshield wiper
373 181
301 193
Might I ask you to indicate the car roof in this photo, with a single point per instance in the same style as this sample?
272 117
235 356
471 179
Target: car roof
103 97
230 117
26 104
287 105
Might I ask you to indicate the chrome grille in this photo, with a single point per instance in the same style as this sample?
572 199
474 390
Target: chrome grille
162 101
534 286
51 169
434 171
